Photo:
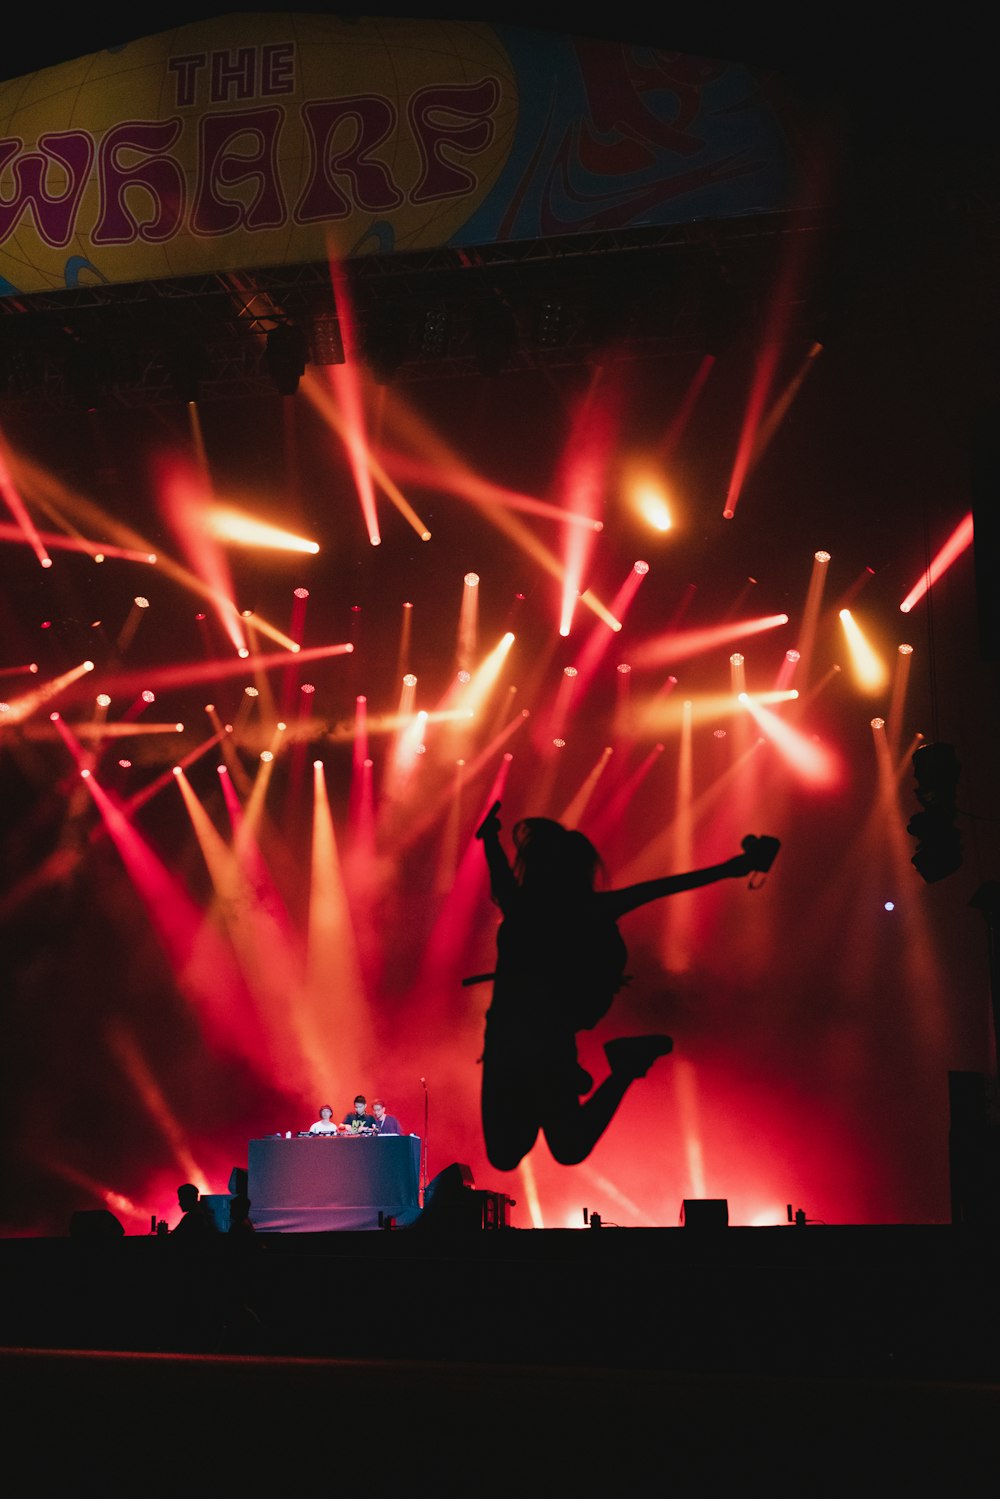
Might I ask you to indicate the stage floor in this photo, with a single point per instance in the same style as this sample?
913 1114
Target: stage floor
839 1360
880 1302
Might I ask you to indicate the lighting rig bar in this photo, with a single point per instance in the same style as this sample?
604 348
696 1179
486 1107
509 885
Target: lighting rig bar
437 314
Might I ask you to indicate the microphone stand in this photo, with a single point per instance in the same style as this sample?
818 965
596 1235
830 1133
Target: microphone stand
423 1147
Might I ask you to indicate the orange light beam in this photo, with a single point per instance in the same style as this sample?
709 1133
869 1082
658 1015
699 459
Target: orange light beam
786 670
658 848
610 816
760 386
547 730
900 681
660 715
485 676
297 628
573 813
59 542
779 410
20 708
361 803
201 963
244 905
678 645
388 723
362 458
811 611
19 510
958 542
440 453
599 640
209 671
677 427
347 385
582 482
448 937
865 576
226 523
468 622
678 914
416 828
622 601
70 740
117 1202
334 981
49 494
470 486
809 759
136 1068
101 729
869 669
182 499
783 295
140 798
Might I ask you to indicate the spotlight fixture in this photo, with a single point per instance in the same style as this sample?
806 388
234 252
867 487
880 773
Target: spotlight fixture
326 343
285 356
434 334
551 323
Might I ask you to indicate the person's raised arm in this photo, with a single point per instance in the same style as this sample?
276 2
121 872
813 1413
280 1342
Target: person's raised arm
632 896
501 875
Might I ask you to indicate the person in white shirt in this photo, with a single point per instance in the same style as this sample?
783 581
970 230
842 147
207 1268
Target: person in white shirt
325 1123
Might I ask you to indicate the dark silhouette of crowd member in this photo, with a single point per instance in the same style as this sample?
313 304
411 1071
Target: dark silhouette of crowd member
385 1124
359 1121
560 961
198 1220
239 1215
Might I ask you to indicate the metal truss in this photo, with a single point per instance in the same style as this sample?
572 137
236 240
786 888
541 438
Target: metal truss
435 314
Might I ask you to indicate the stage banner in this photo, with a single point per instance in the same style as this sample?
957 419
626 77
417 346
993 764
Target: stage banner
257 140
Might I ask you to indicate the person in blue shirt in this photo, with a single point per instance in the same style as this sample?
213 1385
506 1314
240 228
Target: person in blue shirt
385 1124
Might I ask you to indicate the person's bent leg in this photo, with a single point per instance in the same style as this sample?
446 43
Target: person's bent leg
571 1128
509 1112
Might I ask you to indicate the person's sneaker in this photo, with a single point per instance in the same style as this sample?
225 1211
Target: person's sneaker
634 1055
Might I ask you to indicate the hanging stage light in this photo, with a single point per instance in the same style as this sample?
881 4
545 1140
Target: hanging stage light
285 356
939 852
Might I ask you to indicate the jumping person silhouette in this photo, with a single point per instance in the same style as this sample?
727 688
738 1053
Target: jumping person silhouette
560 962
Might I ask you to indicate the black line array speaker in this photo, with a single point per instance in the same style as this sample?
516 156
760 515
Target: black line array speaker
974 1148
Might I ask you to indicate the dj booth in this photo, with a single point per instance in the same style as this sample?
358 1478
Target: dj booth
315 1183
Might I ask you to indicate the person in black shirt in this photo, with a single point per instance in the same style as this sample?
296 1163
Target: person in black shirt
359 1121
198 1220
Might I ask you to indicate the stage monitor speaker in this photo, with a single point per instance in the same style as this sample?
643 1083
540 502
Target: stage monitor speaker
705 1212
239 1182
95 1223
449 1201
449 1183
